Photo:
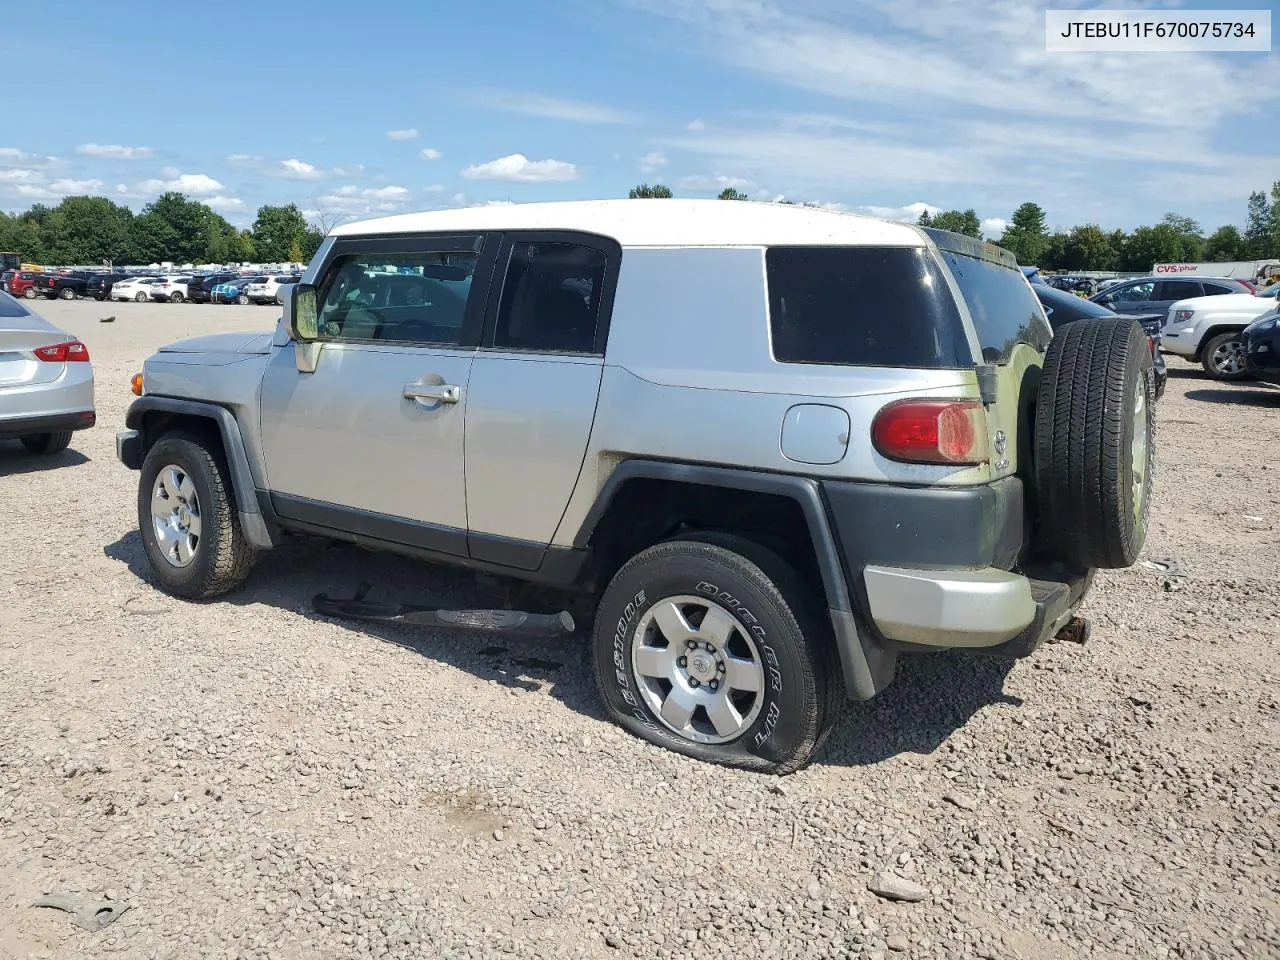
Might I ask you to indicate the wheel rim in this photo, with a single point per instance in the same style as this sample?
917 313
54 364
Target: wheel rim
698 669
1141 453
175 515
1226 357
140 297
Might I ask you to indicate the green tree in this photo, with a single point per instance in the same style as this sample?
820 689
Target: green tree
276 230
172 227
1188 231
1026 238
925 220
959 221
240 247
22 236
1087 247
1054 256
645 192
85 230
1272 248
1257 240
311 241
729 193
1224 245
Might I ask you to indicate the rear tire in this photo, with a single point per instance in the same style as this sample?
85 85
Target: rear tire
140 298
29 293
242 300
67 294
221 557
1222 359
47 444
176 297
1094 449
763 632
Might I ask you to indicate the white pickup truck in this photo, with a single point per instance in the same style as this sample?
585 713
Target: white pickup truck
1207 329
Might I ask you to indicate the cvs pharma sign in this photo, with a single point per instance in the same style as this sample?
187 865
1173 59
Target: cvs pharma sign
1177 268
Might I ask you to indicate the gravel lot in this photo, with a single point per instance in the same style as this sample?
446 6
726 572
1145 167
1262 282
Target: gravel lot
255 781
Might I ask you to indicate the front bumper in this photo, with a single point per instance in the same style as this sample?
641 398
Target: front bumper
129 449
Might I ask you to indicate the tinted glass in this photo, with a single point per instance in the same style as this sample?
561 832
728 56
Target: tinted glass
1183 290
1217 289
1063 307
550 298
10 307
1005 311
862 306
1133 292
418 297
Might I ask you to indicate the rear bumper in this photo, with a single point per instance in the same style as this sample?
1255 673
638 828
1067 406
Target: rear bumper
13 427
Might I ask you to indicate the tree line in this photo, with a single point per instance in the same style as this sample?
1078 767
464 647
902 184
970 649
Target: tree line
173 227
1089 247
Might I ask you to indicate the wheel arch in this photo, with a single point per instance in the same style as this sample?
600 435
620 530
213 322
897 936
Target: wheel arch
645 501
154 416
1213 331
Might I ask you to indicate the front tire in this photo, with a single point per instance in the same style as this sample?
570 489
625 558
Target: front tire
67 293
711 646
46 444
242 300
188 520
176 297
29 293
140 298
1223 358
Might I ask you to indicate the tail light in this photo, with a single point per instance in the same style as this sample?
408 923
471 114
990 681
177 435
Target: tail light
931 431
73 352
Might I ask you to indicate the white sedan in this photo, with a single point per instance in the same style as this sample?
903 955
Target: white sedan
134 288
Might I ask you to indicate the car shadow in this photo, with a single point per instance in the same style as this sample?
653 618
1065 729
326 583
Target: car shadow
933 695
1260 397
15 461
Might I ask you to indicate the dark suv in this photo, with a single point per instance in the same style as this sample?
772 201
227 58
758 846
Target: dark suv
99 285
1158 294
200 289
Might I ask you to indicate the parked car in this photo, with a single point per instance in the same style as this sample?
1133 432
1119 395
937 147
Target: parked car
1206 330
62 286
99 285
566 408
232 291
23 284
268 291
171 289
46 380
1157 294
200 289
132 288
1062 308
1260 348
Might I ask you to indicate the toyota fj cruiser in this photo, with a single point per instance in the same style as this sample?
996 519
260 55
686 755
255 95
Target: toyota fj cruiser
775 447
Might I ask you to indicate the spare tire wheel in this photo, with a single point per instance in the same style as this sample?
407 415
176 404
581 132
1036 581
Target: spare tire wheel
1094 450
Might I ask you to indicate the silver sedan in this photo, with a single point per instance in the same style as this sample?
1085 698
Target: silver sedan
46 381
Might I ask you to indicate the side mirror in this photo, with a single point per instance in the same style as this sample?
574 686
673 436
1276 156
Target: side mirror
301 319
300 313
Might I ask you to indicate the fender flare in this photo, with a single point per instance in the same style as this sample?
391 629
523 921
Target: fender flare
867 668
258 528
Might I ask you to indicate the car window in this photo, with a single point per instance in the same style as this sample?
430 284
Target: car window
862 306
1132 293
417 297
1003 306
550 298
1218 289
1183 290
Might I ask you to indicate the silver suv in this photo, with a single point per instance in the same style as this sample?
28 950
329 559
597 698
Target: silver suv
772 447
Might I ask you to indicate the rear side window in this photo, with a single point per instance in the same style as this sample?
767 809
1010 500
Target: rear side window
1182 290
550 298
862 306
1004 309
10 307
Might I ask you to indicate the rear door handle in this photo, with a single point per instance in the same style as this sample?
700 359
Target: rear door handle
440 392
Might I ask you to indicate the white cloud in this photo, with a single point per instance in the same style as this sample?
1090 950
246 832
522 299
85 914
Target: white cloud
300 170
434 188
703 183
906 214
68 187
292 169
550 108
360 201
194 184
349 171
499 203
390 192
695 126
228 204
652 162
408 133
520 169
994 227
19 175
13 157
114 151
430 153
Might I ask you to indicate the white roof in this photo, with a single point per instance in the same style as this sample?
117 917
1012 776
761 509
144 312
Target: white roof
659 223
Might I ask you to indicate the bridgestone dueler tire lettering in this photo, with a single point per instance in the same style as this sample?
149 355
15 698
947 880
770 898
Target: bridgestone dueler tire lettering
223 556
1093 372
801 698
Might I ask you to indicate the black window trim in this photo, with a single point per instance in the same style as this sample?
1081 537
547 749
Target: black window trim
612 251
484 243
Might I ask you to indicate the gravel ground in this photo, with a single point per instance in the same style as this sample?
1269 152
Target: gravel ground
254 781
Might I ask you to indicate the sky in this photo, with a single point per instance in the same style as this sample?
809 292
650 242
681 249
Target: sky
885 107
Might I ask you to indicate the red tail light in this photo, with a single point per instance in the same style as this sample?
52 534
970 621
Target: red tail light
931 431
73 352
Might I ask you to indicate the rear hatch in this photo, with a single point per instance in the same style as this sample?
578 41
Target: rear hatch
21 333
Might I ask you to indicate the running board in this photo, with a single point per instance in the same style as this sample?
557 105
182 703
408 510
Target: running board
483 621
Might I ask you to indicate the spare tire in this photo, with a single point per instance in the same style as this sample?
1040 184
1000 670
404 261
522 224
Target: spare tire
1094 449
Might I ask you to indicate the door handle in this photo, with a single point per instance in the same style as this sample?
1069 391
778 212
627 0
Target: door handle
441 392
